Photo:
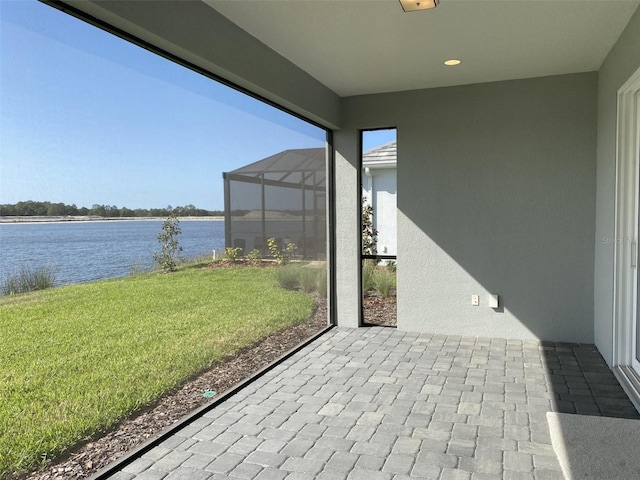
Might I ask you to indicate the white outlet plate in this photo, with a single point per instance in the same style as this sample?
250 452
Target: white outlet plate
475 300
493 301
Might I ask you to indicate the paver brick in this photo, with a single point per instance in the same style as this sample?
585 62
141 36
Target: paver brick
320 453
370 462
359 474
138 466
247 471
151 474
122 476
426 472
513 475
517 461
225 463
271 474
378 403
342 462
198 461
208 448
407 445
266 459
184 473
399 463
437 459
462 447
336 444
297 447
302 465
157 452
172 460
454 474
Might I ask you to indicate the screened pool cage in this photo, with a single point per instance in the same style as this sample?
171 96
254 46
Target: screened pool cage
281 197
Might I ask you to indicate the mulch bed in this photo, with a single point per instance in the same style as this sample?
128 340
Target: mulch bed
380 311
89 457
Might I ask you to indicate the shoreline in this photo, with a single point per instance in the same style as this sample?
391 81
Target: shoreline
69 219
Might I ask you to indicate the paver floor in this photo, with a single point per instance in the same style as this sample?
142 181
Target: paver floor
375 403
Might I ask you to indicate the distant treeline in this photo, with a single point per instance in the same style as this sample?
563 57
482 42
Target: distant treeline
48 209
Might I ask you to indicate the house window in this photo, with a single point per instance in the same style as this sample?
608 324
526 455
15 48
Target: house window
379 238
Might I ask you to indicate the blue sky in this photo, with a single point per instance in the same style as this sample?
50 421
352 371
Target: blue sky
86 117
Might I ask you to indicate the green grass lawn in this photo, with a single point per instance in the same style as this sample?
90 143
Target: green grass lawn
74 360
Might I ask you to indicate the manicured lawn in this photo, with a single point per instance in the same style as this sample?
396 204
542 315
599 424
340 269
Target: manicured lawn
74 360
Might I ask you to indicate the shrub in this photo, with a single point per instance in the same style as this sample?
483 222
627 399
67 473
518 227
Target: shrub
282 256
29 280
368 269
231 254
309 279
168 257
274 249
288 277
384 281
322 282
369 232
392 266
254 257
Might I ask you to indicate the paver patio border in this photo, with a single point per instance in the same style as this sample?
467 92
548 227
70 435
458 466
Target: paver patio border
137 452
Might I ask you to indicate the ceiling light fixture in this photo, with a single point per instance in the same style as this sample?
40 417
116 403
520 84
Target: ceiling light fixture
453 62
415 5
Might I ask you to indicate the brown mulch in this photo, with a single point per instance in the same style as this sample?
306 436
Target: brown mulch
240 263
89 457
380 311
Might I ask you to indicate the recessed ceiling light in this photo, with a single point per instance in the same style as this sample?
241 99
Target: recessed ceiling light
452 62
415 5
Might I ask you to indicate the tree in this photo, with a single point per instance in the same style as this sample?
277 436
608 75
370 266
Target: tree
127 212
98 210
71 209
168 256
369 233
56 209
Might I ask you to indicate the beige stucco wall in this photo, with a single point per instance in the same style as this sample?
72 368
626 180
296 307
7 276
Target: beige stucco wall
620 64
496 194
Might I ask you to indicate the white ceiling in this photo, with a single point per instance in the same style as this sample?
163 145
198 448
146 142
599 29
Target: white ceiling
371 46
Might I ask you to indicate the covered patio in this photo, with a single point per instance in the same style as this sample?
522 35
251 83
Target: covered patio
517 218
378 403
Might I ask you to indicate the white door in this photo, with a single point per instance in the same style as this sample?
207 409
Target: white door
626 252
635 360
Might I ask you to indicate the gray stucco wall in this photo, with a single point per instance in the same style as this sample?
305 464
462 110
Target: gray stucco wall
620 64
496 194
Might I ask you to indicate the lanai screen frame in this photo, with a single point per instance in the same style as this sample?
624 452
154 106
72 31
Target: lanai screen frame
295 169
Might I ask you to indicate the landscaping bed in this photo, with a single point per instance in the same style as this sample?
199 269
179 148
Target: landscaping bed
380 311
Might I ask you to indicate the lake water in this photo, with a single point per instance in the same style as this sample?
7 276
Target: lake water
85 251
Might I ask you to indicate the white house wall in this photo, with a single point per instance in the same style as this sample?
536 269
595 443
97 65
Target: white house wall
620 64
496 195
382 197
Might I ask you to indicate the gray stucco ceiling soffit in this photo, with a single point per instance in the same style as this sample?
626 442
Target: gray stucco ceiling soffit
357 48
